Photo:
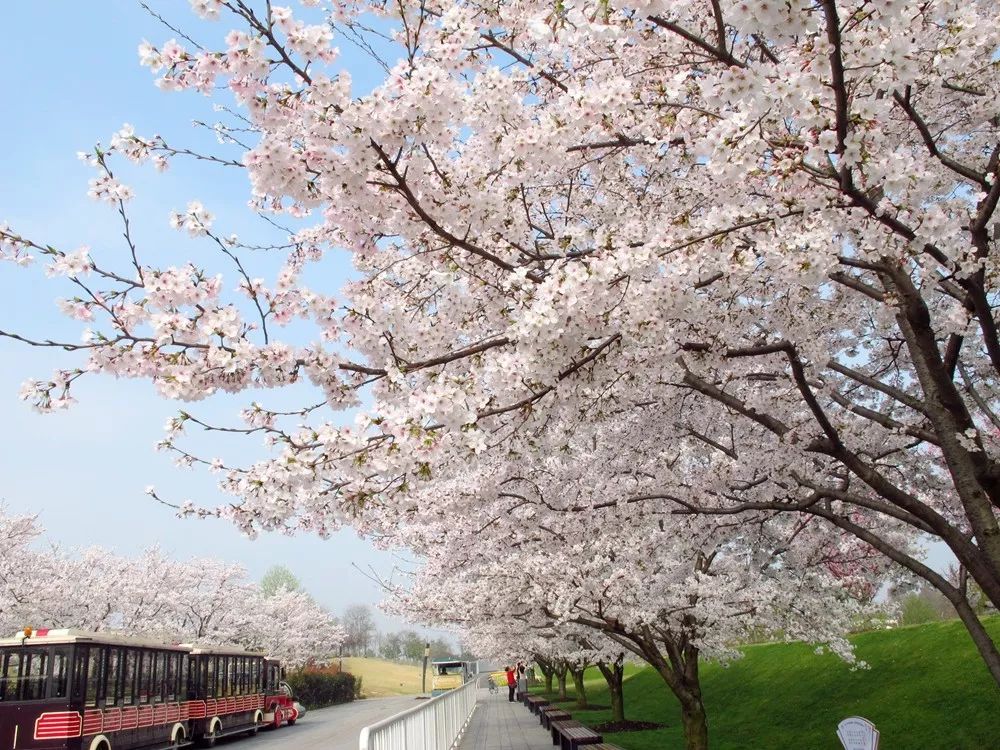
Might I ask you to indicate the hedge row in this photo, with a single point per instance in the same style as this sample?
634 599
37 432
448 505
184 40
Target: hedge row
316 689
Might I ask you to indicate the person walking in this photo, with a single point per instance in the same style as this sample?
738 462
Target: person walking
511 684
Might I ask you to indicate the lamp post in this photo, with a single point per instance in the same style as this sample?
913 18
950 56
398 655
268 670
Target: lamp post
423 677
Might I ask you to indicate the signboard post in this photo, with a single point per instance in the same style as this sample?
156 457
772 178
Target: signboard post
423 674
857 733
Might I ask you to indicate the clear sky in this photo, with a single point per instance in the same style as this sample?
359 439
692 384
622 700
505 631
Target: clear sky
70 77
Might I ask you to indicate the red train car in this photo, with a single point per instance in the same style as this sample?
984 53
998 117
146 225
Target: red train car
279 704
70 690
225 693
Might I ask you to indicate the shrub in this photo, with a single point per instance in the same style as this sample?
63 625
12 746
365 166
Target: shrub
316 688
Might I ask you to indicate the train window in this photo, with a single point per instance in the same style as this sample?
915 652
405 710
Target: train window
178 670
128 661
94 675
79 672
34 675
141 677
244 677
161 678
11 675
212 678
182 671
199 676
169 677
60 669
112 677
193 675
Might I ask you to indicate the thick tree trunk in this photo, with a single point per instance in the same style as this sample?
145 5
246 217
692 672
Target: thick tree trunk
614 675
680 670
581 690
561 677
695 723
547 671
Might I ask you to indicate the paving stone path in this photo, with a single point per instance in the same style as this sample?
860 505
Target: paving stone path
498 724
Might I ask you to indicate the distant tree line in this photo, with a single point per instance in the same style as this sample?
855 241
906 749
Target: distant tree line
917 603
364 639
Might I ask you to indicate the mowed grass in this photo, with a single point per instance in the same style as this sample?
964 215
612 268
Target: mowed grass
927 689
381 678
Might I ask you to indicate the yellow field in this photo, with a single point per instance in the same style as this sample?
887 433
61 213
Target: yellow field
380 678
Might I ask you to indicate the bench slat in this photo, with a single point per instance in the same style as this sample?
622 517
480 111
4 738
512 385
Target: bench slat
546 718
571 735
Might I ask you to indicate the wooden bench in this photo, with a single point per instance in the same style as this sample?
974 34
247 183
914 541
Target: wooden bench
570 735
534 702
548 714
603 746
556 727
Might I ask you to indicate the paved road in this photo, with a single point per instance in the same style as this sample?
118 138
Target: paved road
334 728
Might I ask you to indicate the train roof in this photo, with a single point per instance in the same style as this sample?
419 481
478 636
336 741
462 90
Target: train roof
224 651
60 636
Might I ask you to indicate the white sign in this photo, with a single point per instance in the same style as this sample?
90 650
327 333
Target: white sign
857 733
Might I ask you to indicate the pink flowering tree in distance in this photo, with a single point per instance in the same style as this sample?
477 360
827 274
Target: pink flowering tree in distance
754 242
203 601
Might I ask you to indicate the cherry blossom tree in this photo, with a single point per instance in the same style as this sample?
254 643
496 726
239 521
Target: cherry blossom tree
200 601
670 590
17 533
758 239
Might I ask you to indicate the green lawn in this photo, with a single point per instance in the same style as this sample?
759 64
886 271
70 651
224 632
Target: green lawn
380 678
926 690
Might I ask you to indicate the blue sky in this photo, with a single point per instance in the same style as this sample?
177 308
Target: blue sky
70 78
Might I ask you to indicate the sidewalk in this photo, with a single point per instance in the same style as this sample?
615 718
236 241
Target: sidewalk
498 724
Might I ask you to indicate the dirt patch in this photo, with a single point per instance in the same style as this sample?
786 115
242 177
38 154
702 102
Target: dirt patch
626 726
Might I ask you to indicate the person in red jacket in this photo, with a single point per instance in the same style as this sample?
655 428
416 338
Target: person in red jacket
511 683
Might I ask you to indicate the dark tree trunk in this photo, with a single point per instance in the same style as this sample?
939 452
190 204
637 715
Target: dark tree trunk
561 670
581 690
547 670
695 723
614 675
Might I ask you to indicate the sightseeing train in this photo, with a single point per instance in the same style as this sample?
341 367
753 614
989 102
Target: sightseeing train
71 690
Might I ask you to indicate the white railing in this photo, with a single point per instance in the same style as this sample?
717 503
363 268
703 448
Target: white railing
435 725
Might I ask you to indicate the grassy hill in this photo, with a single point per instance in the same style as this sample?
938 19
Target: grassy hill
380 678
926 690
